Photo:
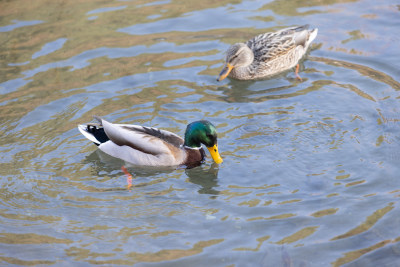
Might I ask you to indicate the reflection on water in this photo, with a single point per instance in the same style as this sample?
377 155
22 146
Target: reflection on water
310 171
206 177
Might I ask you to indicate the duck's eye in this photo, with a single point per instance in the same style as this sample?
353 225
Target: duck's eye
233 58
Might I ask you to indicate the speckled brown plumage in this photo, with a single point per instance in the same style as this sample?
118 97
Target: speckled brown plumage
268 54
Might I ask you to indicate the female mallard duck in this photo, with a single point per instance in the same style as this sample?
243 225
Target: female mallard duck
149 146
268 54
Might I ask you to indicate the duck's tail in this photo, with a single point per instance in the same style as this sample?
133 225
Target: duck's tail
312 34
94 133
303 36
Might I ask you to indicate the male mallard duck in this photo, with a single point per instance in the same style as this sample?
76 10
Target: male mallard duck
153 147
268 54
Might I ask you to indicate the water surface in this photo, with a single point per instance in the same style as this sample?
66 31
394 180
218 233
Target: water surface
311 169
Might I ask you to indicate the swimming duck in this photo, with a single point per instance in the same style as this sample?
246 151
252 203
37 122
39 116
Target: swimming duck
268 54
150 146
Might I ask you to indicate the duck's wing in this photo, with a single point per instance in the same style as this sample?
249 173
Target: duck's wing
148 140
269 46
142 145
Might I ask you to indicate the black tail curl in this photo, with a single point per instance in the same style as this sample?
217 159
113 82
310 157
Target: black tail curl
98 133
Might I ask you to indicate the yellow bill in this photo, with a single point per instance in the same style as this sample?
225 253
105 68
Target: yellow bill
214 154
225 72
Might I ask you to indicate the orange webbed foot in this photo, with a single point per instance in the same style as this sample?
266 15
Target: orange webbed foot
297 73
128 178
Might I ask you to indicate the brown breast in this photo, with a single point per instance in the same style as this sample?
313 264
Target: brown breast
194 157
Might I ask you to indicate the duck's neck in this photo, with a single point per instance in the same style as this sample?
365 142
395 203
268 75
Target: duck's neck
241 72
191 143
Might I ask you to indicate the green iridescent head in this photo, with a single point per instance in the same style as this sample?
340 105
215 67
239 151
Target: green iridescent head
203 132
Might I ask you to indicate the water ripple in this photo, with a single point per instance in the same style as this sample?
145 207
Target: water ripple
310 171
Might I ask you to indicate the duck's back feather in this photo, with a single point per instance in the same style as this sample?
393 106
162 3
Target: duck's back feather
136 144
157 133
145 139
271 45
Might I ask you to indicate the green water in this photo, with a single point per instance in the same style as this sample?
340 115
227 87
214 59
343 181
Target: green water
311 168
